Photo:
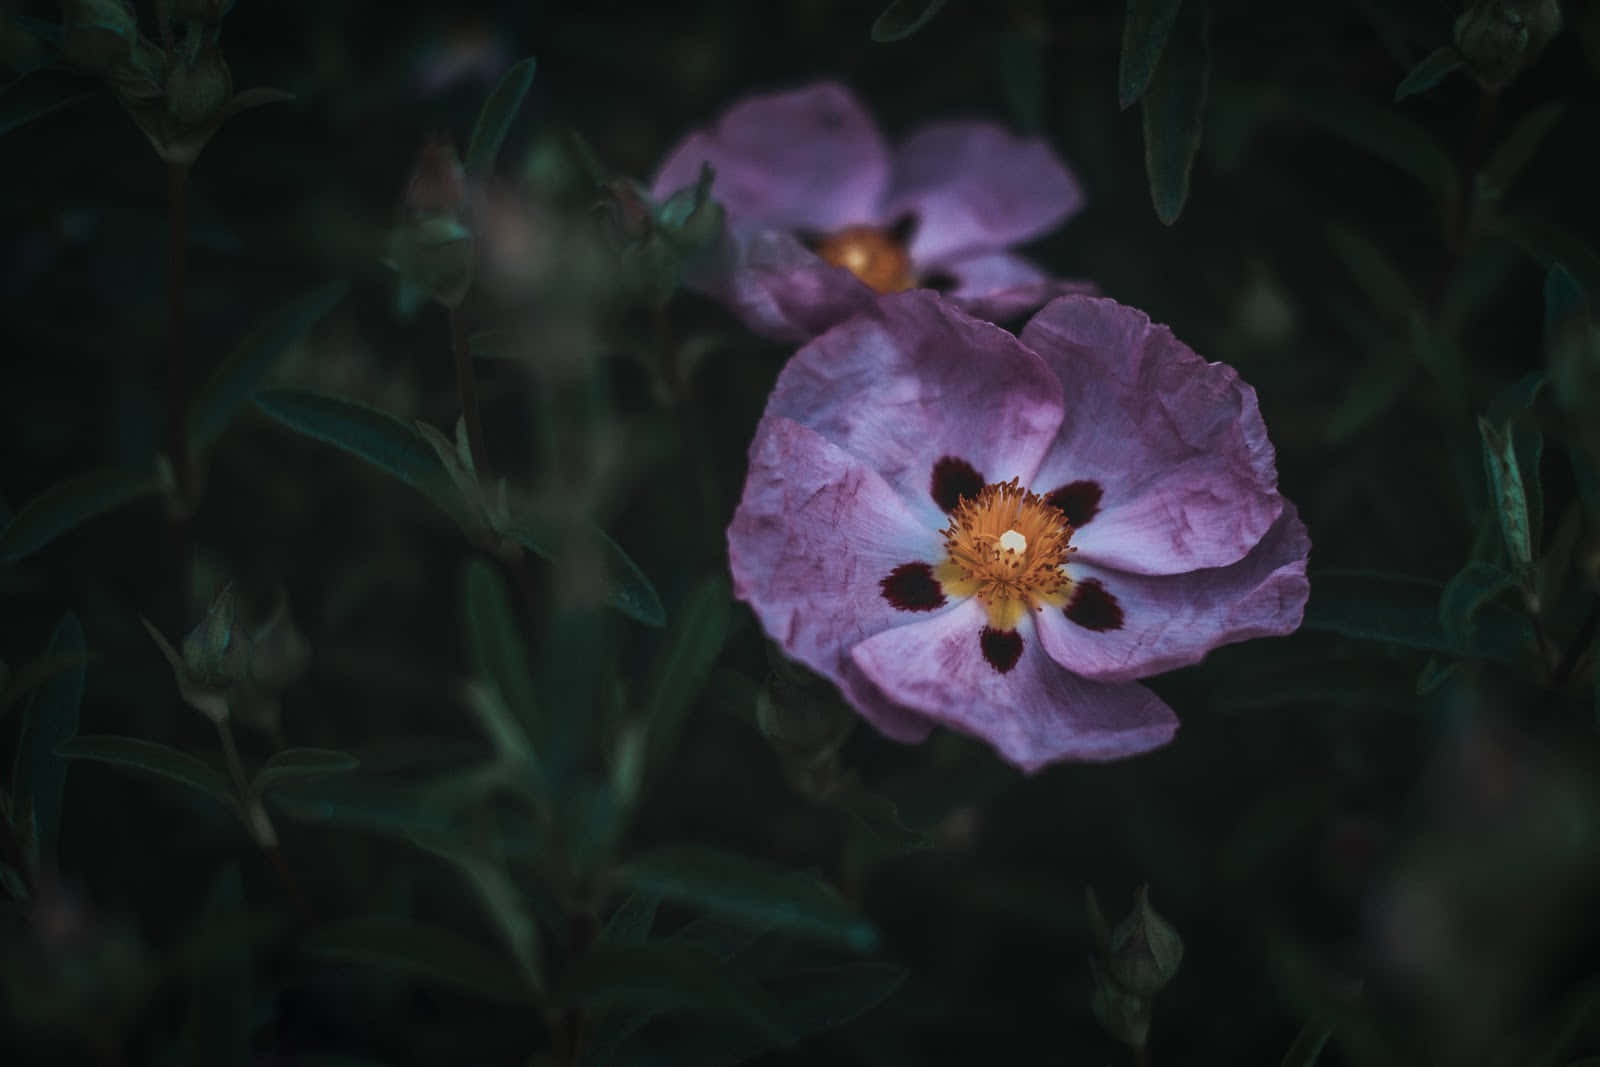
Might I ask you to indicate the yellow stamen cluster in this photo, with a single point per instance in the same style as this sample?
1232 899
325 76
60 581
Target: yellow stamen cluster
1006 547
871 255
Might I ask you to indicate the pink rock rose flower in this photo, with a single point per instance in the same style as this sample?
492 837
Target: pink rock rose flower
999 534
822 214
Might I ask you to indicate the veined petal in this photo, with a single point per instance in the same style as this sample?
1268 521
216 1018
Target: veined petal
974 186
808 158
780 289
995 286
1176 444
916 381
1170 621
811 541
1034 712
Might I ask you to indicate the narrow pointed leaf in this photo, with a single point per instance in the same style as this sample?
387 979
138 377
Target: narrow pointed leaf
630 923
902 18
1308 1045
33 97
1512 408
151 759
297 764
1433 69
1472 589
630 592
1145 28
1549 243
1384 284
69 504
1174 111
51 720
419 951
497 649
692 645
733 885
1520 145
499 896
242 370
1391 137
1564 302
1509 499
1401 610
495 118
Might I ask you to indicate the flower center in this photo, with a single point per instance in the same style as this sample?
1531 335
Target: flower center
871 254
1006 546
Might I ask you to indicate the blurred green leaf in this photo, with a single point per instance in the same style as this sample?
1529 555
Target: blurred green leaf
1440 357
1373 390
1564 301
1308 1045
631 592
34 96
734 885
1383 283
35 673
1391 137
902 18
1466 594
362 804
1512 408
1145 28
51 719
1508 497
294 764
497 649
1021 62
665 976
1517 150
419 951
495 118
630 923
1436 672
1174 110
878 819
683 664
241 371
68 505
499 895
1433 69
1400 610
153 759
221 1008
1548 244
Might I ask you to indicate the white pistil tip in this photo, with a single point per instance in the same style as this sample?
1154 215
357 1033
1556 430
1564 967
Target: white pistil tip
1012 541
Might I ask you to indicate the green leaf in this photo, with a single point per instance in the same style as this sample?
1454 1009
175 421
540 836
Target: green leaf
1400 610
1383 283
33 97
1473 587
630 923
878 819
666 976
1437 671
241 371
1174 111
681 668
1373 391
1564 302
1145 29
294 764
497 649
356 804
1392 138
68 505
51 720
902 18
1021 62
1433 69
495 118
630 591
152 759
733 885
1508 497
1308 1045
1517 150
1440 357
420 951
1548 243
219 1021
1512 408
499 895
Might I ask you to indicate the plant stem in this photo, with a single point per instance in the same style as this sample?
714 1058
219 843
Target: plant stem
256 820
467 387
177 369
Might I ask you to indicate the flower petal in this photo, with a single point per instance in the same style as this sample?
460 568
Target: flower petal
811 541
1176 444
915 380
1034 713
975 187
995 286
1171 621
779 288
808 158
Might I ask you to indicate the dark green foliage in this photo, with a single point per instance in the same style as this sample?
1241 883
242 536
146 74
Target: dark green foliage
1145 29
1174 108
418 951
494 121
902 18
69 504
1433 69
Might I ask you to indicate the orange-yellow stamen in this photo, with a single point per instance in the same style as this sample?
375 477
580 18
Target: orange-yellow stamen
871 255
1006 546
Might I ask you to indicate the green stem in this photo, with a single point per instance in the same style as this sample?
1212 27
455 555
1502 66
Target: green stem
467 387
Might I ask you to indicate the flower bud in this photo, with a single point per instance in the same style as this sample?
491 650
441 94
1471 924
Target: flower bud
438 183
198 92
1145 950
96 34
216 652
1500 38
432 247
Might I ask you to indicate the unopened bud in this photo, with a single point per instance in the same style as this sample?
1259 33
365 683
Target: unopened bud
1500 38
216 652
438 183
198 92
1145 950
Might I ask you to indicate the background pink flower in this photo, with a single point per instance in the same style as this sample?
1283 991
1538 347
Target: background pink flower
999 534
822 213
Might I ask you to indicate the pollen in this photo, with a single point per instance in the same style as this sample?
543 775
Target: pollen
872 255
1006 547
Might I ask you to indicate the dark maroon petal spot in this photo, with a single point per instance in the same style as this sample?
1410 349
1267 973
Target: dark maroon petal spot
903 229
953 479
912 587
1002 648
1079 501
940 280
1093 608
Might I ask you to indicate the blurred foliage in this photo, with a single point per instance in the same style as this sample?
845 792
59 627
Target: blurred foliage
492 769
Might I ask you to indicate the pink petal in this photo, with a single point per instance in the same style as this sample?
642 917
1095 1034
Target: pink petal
808 158
915 380
995 286
975 187
812 538
1034 714
780 289
1171 621
1176 444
